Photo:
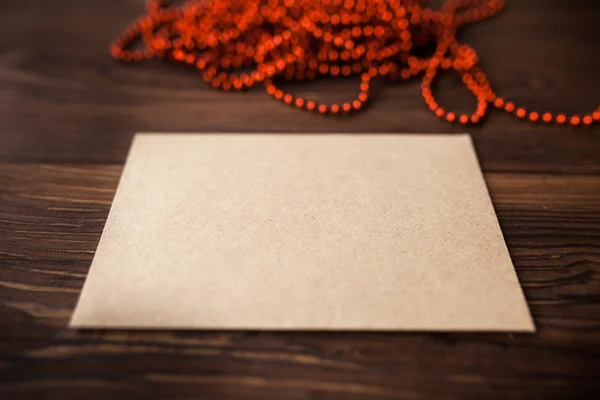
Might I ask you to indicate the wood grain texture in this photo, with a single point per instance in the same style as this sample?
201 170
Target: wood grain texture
67 115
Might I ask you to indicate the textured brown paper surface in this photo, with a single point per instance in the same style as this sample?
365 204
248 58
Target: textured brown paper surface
345 232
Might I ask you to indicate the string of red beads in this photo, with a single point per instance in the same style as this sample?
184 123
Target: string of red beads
303 39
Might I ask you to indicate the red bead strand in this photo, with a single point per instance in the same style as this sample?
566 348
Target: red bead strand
303 39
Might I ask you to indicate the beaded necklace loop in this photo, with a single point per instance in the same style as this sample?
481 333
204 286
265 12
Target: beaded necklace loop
304 39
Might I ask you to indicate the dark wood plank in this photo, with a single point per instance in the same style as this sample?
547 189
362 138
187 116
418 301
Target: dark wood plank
65 100
67 115
52 218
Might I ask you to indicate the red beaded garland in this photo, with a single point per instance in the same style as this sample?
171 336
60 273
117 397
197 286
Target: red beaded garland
302 39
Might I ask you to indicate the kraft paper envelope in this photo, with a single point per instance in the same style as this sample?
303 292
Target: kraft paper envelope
323 232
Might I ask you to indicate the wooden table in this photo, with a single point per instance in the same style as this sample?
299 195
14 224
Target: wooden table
68 113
